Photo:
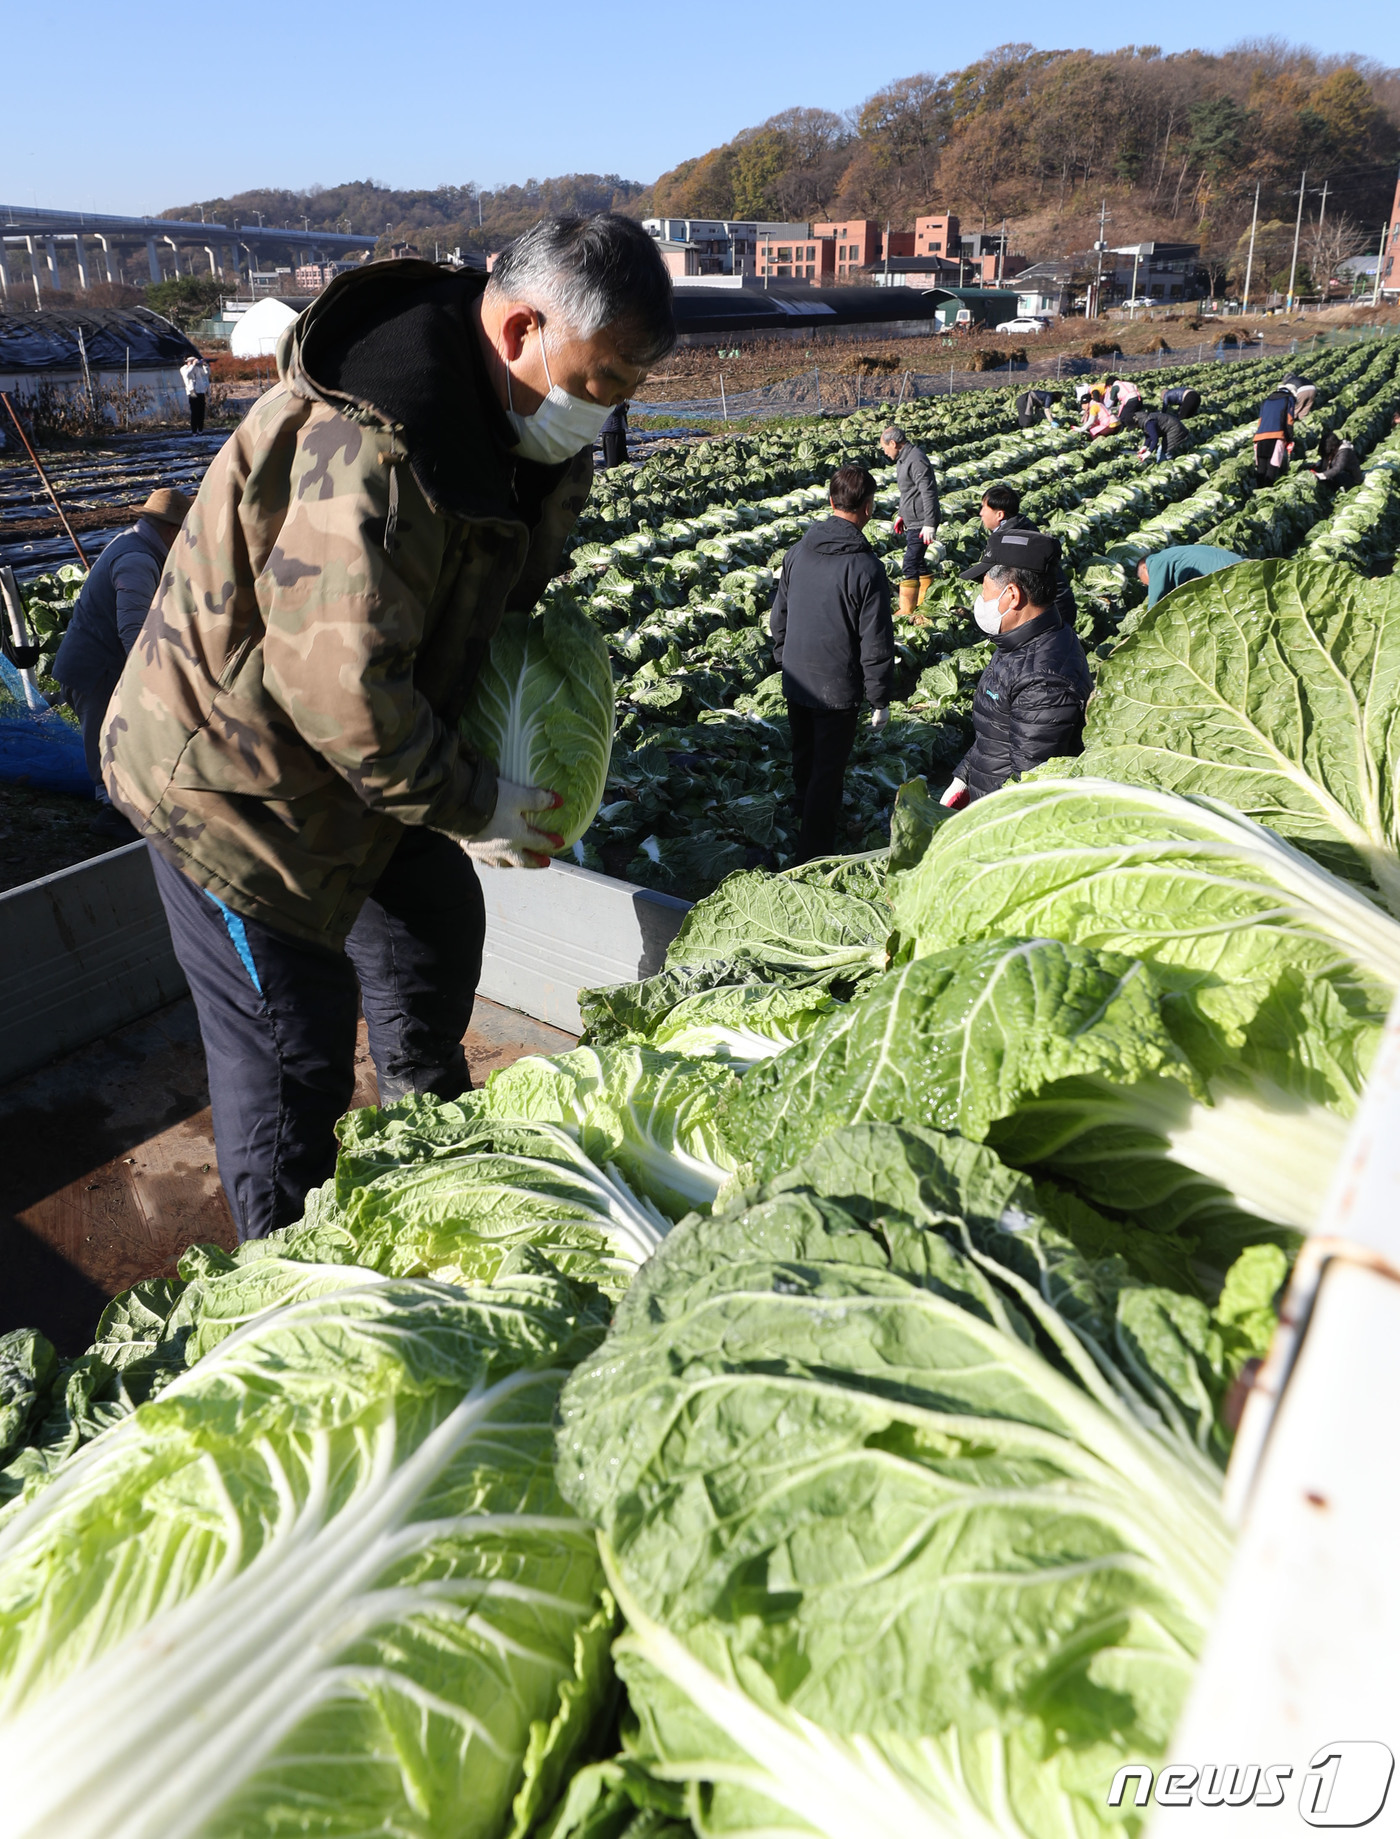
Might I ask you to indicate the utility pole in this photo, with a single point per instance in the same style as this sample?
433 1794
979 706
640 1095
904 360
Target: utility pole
1249 263
1297 232
1380 264
1100 246
1001 253
887 252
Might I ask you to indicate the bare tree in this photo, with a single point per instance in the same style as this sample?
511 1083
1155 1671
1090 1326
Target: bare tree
1327 245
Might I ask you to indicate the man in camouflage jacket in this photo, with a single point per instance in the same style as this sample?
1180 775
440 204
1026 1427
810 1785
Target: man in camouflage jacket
285 732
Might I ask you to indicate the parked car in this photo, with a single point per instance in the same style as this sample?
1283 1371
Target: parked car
1024 324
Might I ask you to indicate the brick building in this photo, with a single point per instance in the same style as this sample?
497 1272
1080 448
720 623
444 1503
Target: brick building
937 236
1390 259
857 244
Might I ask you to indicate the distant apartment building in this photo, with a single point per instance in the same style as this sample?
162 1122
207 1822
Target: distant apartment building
796 254
715 245
311 277
1153 271
937 236
857 245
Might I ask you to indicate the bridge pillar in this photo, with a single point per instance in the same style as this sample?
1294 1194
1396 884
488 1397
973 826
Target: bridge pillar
33 249
213 265
107 258
81 256
153 259
52 249
4 272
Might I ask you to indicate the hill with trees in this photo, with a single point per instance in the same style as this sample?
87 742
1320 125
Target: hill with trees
1175 144
447 217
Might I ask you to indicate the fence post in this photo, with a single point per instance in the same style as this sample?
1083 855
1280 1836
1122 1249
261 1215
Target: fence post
816 372
724 406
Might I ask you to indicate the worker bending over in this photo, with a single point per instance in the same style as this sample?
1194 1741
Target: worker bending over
286 732
1340 468
917 521
1164 436
833 640
1170 568
106 618
1030 700
1273 438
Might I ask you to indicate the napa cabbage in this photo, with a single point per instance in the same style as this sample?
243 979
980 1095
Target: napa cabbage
324 1583
542 709
904 1546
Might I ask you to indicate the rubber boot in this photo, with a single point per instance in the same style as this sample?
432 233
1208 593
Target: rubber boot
925 583
908 597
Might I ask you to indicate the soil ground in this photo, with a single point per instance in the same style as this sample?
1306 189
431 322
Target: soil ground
109 1170
695 370
42 832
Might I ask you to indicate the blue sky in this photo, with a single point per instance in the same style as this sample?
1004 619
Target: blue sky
151 110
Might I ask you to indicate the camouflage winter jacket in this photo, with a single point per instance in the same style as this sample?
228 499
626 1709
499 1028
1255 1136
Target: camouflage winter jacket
293 697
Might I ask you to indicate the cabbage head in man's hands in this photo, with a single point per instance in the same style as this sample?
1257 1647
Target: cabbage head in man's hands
542 709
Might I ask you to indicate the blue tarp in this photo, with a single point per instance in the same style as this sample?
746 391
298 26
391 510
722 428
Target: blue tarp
37 747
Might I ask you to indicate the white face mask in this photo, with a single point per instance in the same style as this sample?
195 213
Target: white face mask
560 426
988 614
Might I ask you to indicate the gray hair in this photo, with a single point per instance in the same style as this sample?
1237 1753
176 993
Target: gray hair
591 272
1038 585
897 435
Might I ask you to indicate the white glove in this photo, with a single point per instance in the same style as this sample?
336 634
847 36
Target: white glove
510 840
928 533
934 554
879 718
955 795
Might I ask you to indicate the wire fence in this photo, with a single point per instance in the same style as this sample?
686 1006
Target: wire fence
826 392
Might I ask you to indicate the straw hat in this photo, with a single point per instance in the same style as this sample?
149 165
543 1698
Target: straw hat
170 506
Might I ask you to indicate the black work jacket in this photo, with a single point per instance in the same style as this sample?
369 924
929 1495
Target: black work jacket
833 638
1029 704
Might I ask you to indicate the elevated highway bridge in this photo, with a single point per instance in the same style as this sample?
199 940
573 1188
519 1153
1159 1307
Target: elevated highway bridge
47 250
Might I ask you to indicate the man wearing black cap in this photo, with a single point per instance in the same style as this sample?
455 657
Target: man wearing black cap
1030 700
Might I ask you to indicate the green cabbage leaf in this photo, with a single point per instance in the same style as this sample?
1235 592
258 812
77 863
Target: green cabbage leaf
1274 687
1059 1057
904 1547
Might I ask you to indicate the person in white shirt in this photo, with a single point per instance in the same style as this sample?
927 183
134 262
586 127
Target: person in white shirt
195 373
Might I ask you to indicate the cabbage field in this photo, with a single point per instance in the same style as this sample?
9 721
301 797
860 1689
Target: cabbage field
800 1410
676 561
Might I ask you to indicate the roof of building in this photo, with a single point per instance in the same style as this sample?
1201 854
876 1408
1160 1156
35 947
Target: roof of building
48 340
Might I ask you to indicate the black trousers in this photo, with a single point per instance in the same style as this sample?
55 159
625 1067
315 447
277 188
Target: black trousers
278 1017
1265 472
614 450
197 404
821 745
915 550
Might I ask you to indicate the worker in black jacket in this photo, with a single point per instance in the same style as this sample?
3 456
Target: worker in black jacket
1164 436
1182 400
833 640
1030 700
1001 510
614 437
1339 466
